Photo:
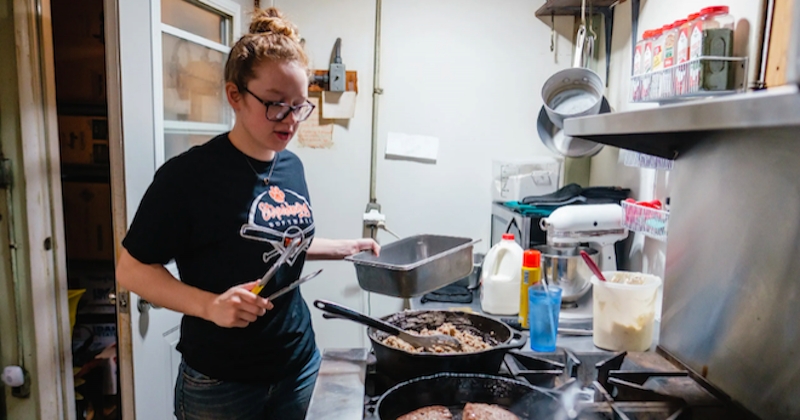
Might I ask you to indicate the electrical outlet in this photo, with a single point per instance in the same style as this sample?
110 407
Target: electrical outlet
370 227
336 78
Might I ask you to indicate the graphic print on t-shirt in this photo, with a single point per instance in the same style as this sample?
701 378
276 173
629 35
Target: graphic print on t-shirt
279 217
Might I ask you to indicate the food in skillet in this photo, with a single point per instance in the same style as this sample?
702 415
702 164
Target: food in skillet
431 412
469 343
475 411
472 411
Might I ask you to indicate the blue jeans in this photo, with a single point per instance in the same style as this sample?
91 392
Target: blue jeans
198 397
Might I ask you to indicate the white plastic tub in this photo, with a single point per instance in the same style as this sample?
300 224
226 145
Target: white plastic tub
624 314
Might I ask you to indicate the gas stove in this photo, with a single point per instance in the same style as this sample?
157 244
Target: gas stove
618 386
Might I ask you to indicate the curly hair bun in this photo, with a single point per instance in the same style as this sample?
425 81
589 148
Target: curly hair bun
271 20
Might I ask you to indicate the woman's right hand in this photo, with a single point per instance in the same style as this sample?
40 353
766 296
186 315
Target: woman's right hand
237 307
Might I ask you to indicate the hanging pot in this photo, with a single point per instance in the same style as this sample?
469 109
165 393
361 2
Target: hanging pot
561 144
573 92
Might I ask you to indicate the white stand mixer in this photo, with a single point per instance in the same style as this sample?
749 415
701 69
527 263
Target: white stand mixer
599 225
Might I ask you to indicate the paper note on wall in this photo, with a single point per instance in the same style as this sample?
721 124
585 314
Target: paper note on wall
314 132
412 147
338 105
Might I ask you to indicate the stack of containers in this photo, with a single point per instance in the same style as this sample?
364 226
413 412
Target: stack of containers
667 60
642 66
682 55
657 47
685 57
638 51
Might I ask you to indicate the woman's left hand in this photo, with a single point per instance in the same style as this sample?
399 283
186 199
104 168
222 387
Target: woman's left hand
363 244
336 249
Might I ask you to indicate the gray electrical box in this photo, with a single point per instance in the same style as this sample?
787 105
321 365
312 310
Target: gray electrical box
336 72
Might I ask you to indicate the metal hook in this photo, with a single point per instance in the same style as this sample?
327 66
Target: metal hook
591 21
583 12
552 32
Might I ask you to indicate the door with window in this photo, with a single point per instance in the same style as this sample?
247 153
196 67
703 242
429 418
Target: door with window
171 57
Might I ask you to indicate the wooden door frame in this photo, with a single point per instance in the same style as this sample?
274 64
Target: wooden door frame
38 224
118 203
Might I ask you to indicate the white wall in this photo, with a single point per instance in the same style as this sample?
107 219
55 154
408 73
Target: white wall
460 70
470 75
646 254
338 177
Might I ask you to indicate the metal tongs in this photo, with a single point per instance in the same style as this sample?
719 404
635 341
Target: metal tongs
293 285
274 269
428 342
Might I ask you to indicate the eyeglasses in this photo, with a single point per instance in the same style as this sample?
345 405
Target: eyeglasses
278 111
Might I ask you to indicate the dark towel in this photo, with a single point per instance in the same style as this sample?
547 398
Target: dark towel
451 294
566 195
604 195
575 194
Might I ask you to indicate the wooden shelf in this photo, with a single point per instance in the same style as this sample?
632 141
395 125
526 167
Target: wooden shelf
571 7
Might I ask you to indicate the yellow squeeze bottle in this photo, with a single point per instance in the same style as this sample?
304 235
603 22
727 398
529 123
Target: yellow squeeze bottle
531 274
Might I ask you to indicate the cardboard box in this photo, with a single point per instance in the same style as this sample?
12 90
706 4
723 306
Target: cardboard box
102 335
83 139
87 221
95 299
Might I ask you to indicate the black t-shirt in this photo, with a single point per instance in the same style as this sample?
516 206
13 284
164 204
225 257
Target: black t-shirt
224 226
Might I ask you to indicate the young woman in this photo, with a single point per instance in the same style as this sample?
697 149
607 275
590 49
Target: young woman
225 212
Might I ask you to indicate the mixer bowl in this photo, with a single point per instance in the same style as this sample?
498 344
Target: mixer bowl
565 268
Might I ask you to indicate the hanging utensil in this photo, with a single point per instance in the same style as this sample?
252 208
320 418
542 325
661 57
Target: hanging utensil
584 40
591 39
576 91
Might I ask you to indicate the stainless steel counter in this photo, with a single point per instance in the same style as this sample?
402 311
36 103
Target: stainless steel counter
339 391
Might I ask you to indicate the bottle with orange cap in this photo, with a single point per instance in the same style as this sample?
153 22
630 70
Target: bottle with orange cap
531 274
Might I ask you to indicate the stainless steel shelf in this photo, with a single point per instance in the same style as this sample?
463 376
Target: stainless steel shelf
668 130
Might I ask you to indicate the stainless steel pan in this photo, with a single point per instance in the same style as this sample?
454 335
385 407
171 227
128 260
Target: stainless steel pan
554 138
573 92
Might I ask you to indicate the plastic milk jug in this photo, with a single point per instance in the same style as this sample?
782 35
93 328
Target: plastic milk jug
500 277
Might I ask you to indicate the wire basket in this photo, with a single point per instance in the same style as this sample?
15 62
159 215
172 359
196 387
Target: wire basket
651 222
641 160
698 77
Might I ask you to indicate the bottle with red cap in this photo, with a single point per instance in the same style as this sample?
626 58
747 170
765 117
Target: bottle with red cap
658 62
646 65
500 277
683 43
530 275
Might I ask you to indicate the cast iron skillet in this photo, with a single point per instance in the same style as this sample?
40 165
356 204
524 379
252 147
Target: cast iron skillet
401 365
453 390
